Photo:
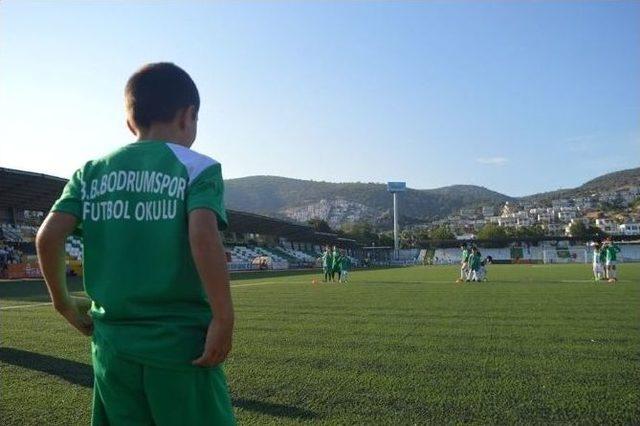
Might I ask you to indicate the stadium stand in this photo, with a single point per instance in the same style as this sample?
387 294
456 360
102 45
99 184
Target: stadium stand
73 247
252 241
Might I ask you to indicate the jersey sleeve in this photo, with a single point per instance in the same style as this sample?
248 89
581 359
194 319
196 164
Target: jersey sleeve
70 200
207 192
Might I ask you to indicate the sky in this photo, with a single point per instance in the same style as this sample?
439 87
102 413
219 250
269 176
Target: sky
519 97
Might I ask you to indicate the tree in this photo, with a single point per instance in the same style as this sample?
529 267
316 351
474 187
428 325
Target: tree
386 240
585 232
526 232
491 232
319 225
442 233
362 232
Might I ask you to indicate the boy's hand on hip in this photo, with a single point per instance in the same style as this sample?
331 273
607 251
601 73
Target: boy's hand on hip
77 317
217 344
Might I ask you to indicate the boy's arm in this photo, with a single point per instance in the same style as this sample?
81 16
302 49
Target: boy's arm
208 255
50 245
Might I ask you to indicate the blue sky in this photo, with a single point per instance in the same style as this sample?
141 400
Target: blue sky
518 97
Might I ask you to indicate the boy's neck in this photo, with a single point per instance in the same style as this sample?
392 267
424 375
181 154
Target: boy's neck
161 133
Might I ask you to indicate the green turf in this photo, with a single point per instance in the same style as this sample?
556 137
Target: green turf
537 344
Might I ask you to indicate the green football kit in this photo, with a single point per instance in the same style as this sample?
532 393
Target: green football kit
611 254
603 255
465 256
474 261
336 261
327 263
149 309
345 263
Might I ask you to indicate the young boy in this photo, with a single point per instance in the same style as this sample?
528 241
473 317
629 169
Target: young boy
474 265
345 263
464 264
335 266
611 254
597 262
161 318
482 271
327 264
603 260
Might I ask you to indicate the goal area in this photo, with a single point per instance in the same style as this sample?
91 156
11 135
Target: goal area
566 255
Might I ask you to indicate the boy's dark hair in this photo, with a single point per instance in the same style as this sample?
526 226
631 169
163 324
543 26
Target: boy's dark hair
156 92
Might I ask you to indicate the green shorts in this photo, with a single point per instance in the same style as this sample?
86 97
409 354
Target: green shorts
129 393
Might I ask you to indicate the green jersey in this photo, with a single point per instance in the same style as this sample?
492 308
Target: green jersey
345 263
474 260
336 260
327 260
611 253
603 255
597 257
132 208
465 255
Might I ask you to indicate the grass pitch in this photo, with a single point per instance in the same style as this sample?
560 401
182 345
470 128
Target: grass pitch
536 344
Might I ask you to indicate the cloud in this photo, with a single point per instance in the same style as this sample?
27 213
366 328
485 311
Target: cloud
494 161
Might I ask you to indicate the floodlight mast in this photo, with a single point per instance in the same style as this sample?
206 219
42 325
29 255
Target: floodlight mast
394 188
396 245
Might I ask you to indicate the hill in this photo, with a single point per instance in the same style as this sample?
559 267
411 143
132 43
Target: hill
608 182
338 203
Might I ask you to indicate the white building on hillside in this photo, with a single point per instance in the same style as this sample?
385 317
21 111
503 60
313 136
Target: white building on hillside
488 211
566 216
631 228
608 226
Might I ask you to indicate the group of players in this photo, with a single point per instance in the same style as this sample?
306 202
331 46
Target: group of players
335 262
605 258
472 266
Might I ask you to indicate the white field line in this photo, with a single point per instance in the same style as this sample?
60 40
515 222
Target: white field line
32 305
266 283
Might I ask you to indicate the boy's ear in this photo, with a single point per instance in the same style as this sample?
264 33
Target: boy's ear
132 128
186 116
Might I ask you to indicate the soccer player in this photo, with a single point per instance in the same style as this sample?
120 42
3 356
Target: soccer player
464 264
161 318
327 264
345 264
611 253
603 260
474 264
597 262
482 271
335 267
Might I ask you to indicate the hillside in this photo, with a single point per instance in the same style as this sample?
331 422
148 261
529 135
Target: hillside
338 203
608 182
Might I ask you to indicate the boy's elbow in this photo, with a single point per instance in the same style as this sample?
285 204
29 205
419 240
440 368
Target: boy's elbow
46 238
43 238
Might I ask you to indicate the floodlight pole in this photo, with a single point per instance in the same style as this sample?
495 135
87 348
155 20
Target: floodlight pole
396 245
394 188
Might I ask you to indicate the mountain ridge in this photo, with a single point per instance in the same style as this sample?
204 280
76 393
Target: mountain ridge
344 202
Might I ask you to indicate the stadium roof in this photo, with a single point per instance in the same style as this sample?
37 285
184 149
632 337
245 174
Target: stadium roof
28 191
36 191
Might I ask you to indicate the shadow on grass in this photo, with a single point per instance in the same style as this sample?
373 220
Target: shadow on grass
261 275
74 372
272 409
81 374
